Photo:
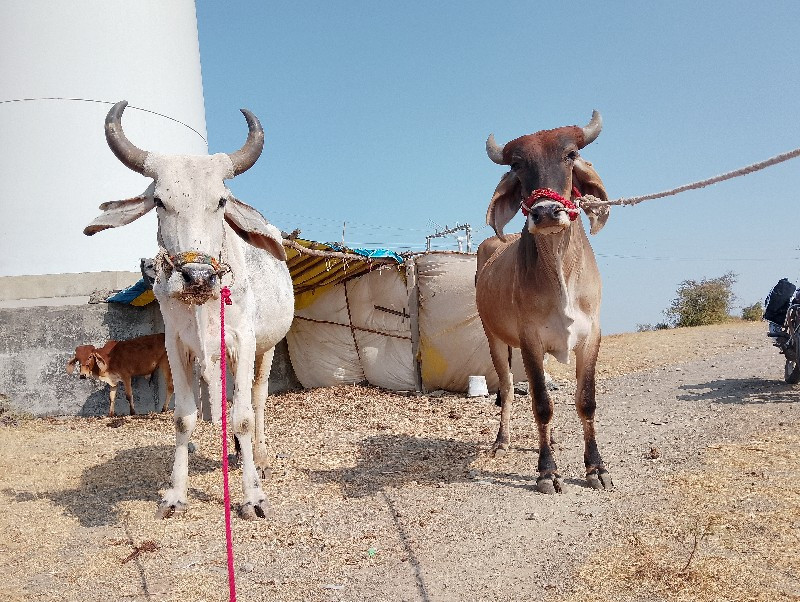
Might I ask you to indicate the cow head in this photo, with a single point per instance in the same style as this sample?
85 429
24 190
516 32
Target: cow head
84 360
193 204
544 163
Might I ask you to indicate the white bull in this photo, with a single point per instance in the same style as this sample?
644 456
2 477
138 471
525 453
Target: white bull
200 225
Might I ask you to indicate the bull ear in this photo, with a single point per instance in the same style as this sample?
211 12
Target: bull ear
589 182
71 364
120 213
251 226
504 204
98 359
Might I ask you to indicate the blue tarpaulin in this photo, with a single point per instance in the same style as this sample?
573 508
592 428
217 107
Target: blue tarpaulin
137 294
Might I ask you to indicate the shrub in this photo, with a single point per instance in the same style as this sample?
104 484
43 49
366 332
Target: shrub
644 327
753 313
705 302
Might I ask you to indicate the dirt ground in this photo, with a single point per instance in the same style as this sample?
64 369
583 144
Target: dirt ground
381 496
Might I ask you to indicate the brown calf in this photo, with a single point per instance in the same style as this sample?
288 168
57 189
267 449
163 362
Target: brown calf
540 291
122 360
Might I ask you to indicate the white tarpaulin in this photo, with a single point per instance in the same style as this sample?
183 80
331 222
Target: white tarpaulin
357 330
453 345
362 329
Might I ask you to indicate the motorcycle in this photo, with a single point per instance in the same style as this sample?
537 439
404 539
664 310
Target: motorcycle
787 338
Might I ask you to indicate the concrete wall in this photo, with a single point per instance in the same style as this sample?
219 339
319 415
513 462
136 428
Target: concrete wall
60 289
37 342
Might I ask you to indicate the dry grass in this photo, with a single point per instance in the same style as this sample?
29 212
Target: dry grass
634 352
730 532
81 532
361 480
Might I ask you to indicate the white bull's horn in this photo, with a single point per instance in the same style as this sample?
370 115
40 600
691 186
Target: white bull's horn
494 150
131 155
592 130
245 157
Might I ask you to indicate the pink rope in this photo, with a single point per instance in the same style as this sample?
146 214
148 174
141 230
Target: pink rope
225 299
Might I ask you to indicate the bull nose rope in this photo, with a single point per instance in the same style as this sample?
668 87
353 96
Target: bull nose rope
548 193
225 299
177 261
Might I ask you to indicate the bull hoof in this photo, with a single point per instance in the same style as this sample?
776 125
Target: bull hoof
599 478
498 450
167 509
549 484
261 459
251 511
264 471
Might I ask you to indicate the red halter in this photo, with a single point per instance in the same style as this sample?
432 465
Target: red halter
547 193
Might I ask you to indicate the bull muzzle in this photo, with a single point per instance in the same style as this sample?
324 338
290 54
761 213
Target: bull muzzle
198 277
547 212
547 218
190 276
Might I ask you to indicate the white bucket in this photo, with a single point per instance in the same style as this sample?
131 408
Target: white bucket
477 386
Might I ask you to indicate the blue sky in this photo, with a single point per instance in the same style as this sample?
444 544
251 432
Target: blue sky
376 114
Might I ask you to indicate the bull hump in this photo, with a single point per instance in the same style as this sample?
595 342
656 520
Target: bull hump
511 239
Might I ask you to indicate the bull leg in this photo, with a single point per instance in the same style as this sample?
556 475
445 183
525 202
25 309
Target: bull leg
586 359
255 504
260 390
112 394
501 355
174 500
129 395
549 481
167 374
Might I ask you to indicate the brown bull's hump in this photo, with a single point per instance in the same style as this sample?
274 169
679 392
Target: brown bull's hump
498 251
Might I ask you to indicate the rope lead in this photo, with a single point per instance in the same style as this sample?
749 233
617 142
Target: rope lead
590 201
225 299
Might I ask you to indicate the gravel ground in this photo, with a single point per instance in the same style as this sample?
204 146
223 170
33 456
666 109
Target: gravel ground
386 496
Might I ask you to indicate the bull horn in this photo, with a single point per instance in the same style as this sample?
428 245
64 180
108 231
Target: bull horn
494 150
592 130
245 157
131 155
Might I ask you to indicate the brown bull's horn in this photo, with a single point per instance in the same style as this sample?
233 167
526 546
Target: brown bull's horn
131 156
245 157
494 150
592 130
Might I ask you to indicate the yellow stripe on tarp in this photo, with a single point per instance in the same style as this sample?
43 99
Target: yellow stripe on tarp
144 299
314 275
305 299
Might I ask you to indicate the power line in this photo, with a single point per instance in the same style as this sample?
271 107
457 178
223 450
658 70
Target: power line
692 259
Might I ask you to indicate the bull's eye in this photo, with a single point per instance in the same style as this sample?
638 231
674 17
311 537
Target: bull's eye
158 202
222 202
572 155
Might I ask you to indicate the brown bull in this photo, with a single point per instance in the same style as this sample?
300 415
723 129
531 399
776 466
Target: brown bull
539 291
